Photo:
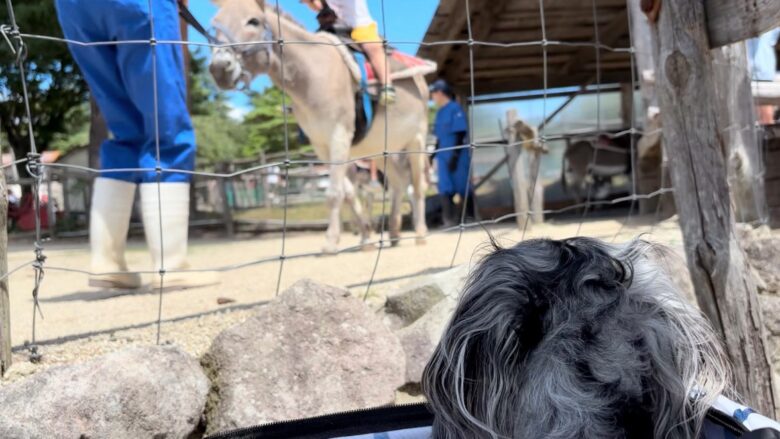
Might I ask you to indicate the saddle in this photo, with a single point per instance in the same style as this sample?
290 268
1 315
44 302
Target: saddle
401 66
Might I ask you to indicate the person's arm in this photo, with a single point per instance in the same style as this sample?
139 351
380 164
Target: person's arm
314 5
460 129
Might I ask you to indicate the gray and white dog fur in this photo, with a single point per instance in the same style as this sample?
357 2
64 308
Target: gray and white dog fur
574 339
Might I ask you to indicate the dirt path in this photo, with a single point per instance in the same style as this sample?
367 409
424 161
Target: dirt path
71 308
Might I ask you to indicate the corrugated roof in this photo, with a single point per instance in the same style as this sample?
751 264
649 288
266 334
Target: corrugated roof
571 28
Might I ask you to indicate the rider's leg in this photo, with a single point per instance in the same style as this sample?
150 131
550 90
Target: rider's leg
371 42
376 55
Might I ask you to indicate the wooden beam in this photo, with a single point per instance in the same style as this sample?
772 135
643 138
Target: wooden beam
516 83
482 15
731 21
723 282
5 303
737 118
645 50
517 175
649 149
456 22
608 36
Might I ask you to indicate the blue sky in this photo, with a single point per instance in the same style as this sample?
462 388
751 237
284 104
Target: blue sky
405 20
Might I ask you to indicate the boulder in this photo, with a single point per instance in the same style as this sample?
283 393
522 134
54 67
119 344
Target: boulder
406 306
762 250
421 337
313 350
138 392
770 309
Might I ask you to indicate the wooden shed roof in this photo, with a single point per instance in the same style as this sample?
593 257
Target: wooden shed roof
571 28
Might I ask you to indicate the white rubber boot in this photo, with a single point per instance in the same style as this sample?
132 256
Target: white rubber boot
172 244
112 204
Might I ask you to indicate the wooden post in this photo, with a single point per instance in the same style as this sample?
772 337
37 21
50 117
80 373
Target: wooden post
51 211
627 111
725 288
264 181
5 304
537 194
227 213
517 173
737 122
65 192
649 155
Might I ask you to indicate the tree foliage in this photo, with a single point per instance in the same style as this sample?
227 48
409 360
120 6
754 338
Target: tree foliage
55 85
266 123
58 97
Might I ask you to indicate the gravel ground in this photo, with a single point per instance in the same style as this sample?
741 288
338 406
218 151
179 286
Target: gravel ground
192 318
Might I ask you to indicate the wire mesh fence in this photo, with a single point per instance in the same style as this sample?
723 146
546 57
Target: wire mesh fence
288 167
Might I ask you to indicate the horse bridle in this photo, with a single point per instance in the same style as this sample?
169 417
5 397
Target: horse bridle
237 48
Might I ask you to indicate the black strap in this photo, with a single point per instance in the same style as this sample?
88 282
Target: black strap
187 16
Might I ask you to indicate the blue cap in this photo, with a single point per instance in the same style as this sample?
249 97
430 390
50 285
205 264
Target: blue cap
442 86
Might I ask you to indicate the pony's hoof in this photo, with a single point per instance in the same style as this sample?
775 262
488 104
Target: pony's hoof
421 241
330 249
395 241
367 247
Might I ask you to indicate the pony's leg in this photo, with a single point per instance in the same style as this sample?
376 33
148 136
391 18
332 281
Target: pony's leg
418 167
361 218
338 154
335 197
397 181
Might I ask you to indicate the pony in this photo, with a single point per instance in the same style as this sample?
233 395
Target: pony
312 70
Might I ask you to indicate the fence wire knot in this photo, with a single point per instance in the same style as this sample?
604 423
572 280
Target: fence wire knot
35 355
15 42
34 165
40 260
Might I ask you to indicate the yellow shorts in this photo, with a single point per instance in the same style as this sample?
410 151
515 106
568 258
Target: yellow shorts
366 34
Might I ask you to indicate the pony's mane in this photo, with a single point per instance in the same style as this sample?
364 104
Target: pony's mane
277 9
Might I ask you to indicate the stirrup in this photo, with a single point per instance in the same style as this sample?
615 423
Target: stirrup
387 95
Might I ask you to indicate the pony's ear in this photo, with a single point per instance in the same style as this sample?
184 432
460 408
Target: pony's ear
261 3
219 3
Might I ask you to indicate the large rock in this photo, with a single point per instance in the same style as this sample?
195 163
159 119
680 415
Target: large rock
762 249
770 307
412 302
420 312
148 392
405 307
420 338
314 350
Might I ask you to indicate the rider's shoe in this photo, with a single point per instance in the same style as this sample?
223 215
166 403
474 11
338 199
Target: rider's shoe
387 95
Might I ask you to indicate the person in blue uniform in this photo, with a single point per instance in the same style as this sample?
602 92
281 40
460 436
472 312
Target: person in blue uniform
452 165
121 79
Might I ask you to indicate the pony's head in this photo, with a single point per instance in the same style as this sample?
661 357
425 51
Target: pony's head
573 339
245 32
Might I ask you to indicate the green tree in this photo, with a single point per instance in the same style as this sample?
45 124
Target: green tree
55 86
266 123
